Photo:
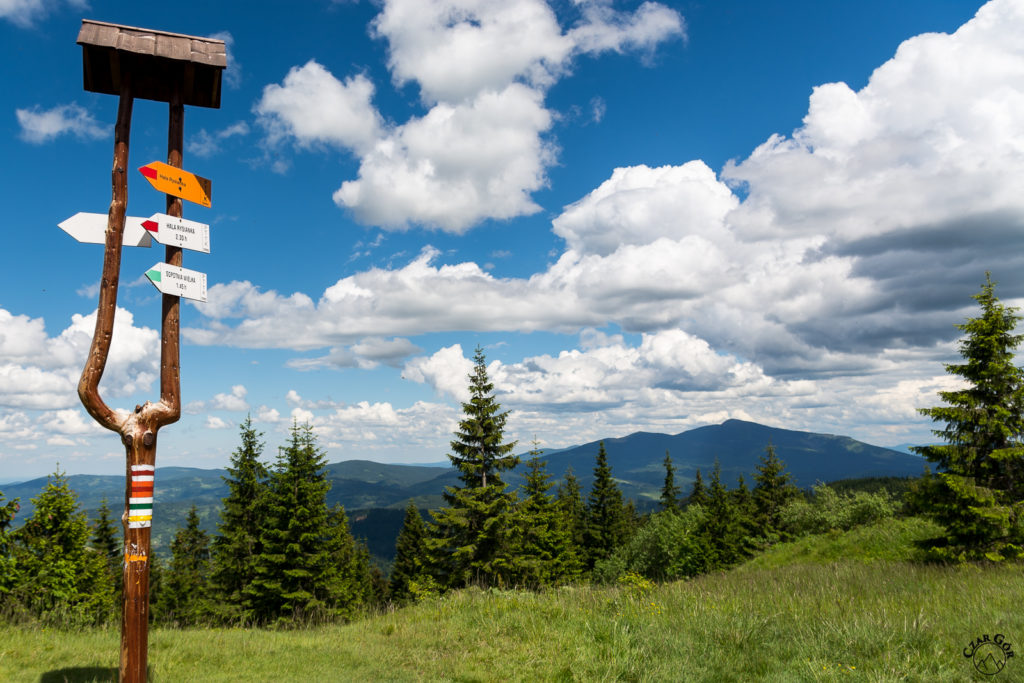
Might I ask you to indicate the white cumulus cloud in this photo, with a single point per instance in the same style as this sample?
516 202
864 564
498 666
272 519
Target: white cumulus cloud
42 125
229 401
483 68
313 107
42 372
446 370
457 165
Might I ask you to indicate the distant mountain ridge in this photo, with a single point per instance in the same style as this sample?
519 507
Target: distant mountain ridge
375 494
636 460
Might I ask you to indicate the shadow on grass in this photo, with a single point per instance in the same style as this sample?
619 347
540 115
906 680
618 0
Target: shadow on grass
81 674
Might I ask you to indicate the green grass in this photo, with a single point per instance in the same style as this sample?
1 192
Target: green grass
797 617
892 539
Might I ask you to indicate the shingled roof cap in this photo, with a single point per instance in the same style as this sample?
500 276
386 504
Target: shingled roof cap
157 60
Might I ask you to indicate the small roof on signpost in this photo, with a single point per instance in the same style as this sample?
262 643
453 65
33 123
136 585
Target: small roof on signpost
157 60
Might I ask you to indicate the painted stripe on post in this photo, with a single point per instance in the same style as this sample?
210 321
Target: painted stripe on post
140 500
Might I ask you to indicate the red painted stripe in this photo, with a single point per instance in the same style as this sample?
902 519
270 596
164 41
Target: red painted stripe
148 172
140 489
152 226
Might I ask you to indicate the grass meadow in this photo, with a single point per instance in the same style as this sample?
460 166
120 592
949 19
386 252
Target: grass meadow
839 607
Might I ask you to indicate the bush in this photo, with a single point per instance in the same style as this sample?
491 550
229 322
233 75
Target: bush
828 510
669 547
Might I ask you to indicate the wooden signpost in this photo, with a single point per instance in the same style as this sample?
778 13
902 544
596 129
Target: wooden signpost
180 70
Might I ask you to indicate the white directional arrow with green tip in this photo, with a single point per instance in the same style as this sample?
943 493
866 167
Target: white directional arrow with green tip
176 281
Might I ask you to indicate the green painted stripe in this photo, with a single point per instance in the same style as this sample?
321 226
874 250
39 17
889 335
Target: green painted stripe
140 506
153 275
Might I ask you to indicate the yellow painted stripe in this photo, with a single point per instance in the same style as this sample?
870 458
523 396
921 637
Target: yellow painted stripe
140 518
136 558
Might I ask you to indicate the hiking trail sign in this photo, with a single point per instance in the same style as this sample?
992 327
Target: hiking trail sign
91 228
176 281
178 232
178 183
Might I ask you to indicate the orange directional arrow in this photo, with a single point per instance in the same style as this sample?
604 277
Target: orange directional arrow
174 181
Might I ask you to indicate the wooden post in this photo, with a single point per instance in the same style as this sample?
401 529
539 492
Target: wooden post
141 455
177 69
138 430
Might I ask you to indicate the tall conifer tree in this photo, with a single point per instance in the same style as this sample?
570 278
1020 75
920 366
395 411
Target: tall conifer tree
107 542
746 517
349 588
60 576
411 565
722 529
293 567
773 490
607 524
184 596
978 492
469 537
699 493
544 552
156 584
669 491
8 566
236 549
574 511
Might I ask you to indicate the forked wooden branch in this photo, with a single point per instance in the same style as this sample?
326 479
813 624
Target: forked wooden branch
88 385
149 417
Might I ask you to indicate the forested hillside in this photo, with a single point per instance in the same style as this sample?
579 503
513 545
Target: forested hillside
377 493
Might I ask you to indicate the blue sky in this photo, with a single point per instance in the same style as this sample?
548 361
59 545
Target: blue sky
652 216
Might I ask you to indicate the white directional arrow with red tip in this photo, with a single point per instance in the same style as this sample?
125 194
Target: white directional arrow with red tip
178 232
92 229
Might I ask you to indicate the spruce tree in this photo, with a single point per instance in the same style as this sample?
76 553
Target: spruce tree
183 598
574 511
378 588
61 578
773 490
236 549
722 531
8 566
544 553
669 491
469 537
698 494
347 580
292 567
746 516
607 524
156 585
978 492
411 566
107 542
